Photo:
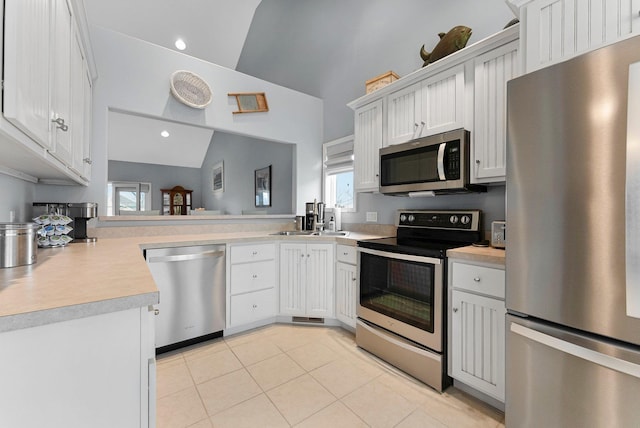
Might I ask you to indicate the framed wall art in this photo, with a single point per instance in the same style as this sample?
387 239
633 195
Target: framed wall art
218 177
263 186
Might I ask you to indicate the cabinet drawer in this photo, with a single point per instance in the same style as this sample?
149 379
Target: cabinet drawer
252 253
478 279
250 307
347 254
248 277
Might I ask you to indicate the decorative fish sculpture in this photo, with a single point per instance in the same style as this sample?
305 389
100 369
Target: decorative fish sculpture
449 43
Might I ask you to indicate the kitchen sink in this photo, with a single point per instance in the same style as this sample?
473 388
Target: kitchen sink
309 233
329 233
293 233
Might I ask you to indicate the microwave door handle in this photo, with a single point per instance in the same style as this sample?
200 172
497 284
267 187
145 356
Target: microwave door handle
441 173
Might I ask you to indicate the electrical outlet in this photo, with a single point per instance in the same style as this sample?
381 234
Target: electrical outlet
372 216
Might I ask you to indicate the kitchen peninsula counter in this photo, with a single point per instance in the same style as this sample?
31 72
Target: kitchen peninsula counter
81 280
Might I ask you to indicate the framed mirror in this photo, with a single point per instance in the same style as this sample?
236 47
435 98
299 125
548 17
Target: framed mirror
250 102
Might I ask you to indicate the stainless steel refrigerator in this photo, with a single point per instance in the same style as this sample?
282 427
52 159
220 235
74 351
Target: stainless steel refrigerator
573 242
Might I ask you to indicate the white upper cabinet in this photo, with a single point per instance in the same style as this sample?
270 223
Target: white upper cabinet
492 71
61 82
555 30
466 89
443 102
432 106
366 145
46 123
26 76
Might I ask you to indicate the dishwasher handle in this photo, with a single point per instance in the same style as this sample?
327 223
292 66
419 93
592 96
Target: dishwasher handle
186 257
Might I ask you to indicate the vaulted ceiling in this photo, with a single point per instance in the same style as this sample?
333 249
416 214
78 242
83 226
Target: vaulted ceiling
213 30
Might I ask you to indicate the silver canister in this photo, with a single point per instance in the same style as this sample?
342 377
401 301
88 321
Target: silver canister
18 244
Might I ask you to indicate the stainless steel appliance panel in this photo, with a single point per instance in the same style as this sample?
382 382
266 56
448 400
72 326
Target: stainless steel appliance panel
564 379
432 339
566 151
191 281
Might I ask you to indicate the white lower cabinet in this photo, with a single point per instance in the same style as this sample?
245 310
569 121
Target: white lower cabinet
477 327
346 285
307 280
97 371
251 279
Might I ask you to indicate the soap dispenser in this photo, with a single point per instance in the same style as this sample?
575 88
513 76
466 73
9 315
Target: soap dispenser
332 225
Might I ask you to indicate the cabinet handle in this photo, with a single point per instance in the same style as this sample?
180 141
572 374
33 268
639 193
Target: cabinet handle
478 161
255 306
255 276
308 255
476 279
60 122
254 253
353 279
87 160
156 311
455 309
301 255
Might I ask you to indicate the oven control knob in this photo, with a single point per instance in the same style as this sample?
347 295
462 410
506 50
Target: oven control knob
465 219
403 217
411 218
453 219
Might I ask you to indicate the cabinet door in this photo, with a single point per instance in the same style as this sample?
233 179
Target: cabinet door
478 346
366 145
404 121
26 67
292 278
88 123
559 29
443 102
61 82
78 108
492 71
319 280
346 290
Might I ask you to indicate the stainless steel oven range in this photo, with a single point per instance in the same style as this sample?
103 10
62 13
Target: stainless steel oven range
402 290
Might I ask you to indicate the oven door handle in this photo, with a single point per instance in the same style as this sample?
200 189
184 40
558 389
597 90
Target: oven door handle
405 257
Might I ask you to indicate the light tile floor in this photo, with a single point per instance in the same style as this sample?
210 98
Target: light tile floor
302 376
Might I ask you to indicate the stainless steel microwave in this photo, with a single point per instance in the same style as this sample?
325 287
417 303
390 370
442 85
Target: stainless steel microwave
437 164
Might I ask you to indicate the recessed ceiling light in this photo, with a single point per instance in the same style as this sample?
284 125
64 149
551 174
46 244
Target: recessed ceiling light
181 45
165 134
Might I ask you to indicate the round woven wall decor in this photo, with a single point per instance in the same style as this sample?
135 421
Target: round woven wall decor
190 89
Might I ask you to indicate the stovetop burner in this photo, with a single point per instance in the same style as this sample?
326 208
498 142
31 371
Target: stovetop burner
430 233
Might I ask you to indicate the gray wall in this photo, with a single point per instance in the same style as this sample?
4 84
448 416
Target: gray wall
242 156
160 177
330 48
17 196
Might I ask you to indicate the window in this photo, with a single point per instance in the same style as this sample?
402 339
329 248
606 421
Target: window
125 196
337 173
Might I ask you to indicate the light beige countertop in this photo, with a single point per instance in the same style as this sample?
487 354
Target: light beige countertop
110 275
478 254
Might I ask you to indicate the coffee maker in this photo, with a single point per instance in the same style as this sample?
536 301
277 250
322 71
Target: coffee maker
314 216
81 213
310 216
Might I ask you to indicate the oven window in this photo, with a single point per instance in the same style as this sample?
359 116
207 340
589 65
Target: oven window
403 290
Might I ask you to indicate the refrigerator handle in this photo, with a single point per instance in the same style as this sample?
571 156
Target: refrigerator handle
587 354
632 196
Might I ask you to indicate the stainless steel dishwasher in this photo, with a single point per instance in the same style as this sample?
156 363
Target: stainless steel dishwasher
191 281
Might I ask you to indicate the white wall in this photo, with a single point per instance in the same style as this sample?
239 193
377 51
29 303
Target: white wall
134 77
